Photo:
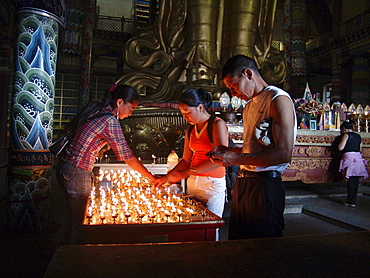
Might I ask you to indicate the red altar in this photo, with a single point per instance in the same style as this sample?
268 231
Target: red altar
316 157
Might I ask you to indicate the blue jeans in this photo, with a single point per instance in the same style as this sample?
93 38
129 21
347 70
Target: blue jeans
76 185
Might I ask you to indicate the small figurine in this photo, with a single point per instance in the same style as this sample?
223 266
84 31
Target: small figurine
303 124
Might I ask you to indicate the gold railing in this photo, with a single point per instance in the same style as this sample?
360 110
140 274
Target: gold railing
349 27
356 24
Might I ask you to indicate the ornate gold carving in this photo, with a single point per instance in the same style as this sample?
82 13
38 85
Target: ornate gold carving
315 151
303 177
365 152
313 139
304 164
274 68
157 56
300 150
365 141
189 37
202 37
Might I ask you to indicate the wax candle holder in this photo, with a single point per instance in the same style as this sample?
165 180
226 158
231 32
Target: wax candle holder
133 199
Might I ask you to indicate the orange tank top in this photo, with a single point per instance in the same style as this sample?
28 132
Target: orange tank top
200 144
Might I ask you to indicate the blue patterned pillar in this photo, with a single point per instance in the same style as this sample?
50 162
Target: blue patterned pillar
30 162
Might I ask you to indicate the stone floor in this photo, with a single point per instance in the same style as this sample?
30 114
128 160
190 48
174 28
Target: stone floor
318 209
310 210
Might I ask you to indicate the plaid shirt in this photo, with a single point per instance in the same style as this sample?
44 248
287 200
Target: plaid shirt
92 137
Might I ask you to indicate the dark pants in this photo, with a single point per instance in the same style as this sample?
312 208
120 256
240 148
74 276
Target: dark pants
352 188
76 186
257 208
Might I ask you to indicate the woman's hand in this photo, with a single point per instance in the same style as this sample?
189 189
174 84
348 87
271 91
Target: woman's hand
172 177
153 179
160 181
177 175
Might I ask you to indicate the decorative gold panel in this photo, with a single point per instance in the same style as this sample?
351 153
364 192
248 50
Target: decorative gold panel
304 164
184 47
314 139
315 151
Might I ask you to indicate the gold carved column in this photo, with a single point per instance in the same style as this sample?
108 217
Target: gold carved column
202 34
185 45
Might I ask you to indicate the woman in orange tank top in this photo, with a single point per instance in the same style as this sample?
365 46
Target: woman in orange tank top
205 180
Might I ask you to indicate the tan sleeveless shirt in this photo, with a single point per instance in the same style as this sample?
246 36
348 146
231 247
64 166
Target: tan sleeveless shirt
257 126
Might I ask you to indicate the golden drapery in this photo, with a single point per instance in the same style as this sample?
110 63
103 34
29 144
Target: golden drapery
192 38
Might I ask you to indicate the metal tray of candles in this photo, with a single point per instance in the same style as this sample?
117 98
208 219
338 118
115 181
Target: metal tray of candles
125 197
122 201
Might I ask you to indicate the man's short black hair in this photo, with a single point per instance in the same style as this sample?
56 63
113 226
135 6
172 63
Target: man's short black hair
237 64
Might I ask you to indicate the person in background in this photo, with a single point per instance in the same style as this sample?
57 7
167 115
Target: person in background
205 180
92 129
352 165
270 127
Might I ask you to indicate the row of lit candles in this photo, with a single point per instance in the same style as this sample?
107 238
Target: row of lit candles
125 197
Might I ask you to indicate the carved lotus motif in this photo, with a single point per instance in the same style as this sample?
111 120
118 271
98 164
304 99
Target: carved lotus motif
152 136
315 151
171 133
